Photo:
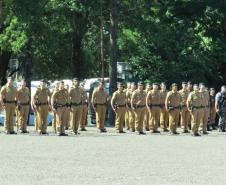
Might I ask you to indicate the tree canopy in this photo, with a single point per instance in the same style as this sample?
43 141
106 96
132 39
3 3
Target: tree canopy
162 40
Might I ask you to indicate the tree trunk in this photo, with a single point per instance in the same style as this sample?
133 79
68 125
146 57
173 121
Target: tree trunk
76 47
113 56
4 64
28 64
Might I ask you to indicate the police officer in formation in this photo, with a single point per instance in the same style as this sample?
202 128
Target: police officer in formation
193 108
221 108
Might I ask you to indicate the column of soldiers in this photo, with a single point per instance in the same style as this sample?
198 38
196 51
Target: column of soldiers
137 108
193 108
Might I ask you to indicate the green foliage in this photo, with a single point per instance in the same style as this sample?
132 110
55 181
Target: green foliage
170 40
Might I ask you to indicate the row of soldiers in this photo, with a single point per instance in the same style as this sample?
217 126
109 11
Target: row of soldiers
137 107
192 107
68 106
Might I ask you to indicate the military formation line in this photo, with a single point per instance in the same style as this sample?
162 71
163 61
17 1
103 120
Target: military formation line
138 108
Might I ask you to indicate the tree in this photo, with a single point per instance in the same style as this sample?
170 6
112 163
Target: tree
113 56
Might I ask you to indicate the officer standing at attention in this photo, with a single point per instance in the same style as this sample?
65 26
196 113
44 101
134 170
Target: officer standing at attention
173 105
164 115
118 104
41 104
205 103
54 121
129 107
127 118
23 101
147 115
83 121
17 111
67 121
194 104
153 103
8 101
220 106
138 102
184 110
59 103
36 119
212 110
75 100
99 103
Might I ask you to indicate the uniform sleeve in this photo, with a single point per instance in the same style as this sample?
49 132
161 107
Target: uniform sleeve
94 96
70 92
54 97
49 93
180 98
3 91
133 97
148 97
168 96
218 97
189 97
114 97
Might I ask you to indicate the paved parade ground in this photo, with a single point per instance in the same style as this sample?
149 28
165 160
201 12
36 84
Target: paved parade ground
112 159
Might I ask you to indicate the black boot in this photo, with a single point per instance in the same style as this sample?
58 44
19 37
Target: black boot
221 128
214 127
208 128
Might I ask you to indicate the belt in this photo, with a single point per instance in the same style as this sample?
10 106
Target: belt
183 106
121 105
178 107
102 104
198 107
10 102
43 103
140 106
155 105
76 104
173 108
23 104
61 105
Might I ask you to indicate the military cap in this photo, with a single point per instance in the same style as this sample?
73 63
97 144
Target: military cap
9 78
201 84
162 84
184 83
133 83
195 85
42 80
56 82
119 83
140 83
174 84
75 79
62 82
155 84
212 89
